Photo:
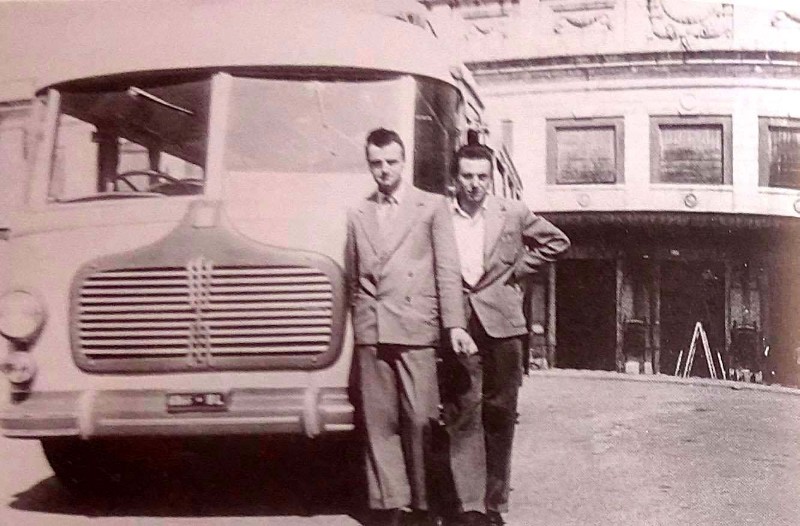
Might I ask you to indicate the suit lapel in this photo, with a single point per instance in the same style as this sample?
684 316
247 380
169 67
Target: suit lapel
403 220
368 215
495 217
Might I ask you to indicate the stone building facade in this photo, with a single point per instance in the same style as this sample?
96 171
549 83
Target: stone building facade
664 137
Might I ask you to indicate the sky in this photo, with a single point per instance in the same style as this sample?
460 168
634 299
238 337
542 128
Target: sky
31 30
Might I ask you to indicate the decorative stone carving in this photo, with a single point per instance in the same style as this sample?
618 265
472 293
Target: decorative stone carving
486 23
486 32
582 14
684 20
787 18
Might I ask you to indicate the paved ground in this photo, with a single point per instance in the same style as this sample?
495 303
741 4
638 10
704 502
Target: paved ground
591 449
596 451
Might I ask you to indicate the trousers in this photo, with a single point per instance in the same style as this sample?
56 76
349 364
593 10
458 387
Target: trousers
480 394
399 399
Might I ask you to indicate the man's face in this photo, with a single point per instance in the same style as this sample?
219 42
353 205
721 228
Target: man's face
474 180
386 164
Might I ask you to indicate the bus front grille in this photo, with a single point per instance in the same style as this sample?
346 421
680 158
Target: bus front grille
204 316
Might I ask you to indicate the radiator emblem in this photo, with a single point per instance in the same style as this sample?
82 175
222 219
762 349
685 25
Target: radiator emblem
199 272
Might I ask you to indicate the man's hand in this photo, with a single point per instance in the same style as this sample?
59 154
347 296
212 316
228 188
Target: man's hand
462 342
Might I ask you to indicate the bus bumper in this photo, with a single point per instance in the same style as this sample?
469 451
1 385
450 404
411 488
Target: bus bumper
91 414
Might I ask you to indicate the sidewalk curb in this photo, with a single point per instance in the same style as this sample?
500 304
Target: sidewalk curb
661 379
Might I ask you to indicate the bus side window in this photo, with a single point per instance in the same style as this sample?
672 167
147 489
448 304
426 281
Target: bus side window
435 135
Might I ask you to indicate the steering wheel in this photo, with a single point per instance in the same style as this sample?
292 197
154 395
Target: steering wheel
168 185
188 186
149 173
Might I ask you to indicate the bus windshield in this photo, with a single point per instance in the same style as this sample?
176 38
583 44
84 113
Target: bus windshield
131 140
310 126
145 139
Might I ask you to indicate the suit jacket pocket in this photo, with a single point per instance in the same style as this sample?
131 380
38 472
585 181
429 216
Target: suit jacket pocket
513 305
420 309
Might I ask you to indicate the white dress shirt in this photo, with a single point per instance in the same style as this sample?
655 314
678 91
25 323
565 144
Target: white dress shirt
470 231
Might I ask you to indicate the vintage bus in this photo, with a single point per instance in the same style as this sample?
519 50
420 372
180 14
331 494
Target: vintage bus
176 264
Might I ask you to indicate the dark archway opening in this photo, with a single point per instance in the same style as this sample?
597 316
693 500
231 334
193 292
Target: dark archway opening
586 315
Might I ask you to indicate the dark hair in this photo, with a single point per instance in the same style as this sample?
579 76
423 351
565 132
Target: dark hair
473 151
381 137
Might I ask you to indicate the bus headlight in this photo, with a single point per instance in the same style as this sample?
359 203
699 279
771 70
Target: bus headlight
19 367
21 316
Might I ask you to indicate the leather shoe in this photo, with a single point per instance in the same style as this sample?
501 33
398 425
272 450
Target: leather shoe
420 518
391 517
494 518
472 518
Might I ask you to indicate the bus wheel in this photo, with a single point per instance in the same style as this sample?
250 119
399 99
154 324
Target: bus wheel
83 467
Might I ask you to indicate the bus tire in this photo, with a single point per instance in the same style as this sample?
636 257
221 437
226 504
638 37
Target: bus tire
83 467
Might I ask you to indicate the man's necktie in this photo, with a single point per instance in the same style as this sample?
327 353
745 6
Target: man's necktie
386 211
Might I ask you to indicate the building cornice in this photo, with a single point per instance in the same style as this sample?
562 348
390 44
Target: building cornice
650 219
651 65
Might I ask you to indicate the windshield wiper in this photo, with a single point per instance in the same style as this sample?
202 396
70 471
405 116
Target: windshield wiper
133 91
106 196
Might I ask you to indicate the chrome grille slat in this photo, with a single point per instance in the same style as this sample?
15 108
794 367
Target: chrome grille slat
280 296
122 342
91 285
183 323
266 271
258 288
277 349
161 352
271 305
137 300
177 307
92 335
230 307
215 279
135 342
92 299
90 292
90 315
150 273
236 311
97 290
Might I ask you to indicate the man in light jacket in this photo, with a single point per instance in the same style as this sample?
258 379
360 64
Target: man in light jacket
500 242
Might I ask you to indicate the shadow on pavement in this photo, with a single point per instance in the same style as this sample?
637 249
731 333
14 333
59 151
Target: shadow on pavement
219 479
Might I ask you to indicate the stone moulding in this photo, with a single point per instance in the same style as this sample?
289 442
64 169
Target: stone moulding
683 20
477 9
738 67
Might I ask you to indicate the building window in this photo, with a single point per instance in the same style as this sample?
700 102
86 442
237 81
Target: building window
690 150
779 152
585 151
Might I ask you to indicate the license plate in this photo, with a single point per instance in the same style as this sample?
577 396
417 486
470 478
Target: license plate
178 402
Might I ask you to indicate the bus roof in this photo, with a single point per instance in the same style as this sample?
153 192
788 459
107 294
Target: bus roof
100 39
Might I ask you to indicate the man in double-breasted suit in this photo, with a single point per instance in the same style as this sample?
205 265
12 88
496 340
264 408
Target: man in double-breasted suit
404 286
500 242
